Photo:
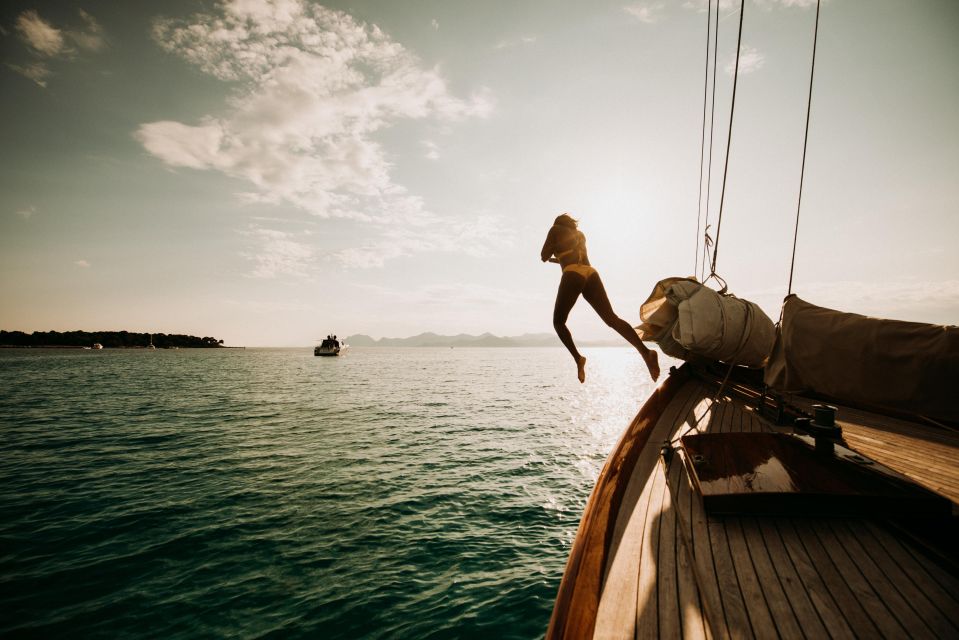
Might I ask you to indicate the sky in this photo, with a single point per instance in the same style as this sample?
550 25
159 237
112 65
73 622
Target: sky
268 172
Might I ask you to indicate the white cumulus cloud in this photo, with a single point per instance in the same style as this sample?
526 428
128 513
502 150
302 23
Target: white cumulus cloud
84 264
312 87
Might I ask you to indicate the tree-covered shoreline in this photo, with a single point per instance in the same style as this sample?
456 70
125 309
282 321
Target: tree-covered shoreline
109 339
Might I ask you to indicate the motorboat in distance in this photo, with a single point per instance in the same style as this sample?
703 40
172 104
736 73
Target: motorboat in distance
330 347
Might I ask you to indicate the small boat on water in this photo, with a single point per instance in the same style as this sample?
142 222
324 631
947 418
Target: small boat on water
97 345
330 346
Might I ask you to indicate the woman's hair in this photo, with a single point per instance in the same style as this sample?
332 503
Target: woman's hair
565 220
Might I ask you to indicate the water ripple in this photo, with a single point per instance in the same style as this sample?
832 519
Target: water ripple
422 493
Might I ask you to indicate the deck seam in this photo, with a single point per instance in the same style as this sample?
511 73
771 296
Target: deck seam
826 597
837 549
848 539
834 586
923 563
689 405
775 572
739 578
773 530
907 577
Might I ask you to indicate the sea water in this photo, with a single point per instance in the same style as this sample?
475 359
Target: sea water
390 493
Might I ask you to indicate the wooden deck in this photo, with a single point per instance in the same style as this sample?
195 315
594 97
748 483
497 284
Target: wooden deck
927 454
671 570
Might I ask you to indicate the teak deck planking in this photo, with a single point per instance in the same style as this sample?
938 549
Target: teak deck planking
671 570
926 454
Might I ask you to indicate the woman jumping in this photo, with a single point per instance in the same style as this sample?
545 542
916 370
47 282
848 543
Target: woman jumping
568 245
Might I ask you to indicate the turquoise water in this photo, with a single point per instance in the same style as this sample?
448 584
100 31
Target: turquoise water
391 493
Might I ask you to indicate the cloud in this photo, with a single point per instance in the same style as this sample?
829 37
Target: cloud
313 85
47 42
476 238
36 71
647 13
91 38
277 253
522 41
27 212
42 36
435 24
82 263
180 145
432 151
750 59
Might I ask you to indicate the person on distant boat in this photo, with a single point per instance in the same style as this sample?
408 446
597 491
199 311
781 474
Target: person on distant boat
566 245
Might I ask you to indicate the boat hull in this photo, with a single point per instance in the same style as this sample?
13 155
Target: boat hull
329 352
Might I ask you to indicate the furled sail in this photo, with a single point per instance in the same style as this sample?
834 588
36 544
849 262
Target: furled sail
685 317
907 366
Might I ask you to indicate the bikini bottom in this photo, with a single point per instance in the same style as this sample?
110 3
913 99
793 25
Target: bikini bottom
582 269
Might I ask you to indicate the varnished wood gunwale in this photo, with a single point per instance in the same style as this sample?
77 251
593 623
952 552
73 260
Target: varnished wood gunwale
574 614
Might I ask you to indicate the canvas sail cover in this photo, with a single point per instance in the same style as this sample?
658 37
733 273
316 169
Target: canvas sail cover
906 366
685 317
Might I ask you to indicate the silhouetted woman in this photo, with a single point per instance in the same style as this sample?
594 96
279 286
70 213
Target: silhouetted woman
568 245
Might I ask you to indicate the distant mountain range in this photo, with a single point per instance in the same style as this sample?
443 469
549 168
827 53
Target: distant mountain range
466 340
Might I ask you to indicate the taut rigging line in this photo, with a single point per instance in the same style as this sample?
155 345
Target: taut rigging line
729 139
802 171
702 141
709 169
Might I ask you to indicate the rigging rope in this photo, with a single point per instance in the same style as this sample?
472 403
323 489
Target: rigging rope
729 139
702 141
707 241
802 171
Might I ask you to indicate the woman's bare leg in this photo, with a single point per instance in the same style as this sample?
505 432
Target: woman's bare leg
570 286
595 294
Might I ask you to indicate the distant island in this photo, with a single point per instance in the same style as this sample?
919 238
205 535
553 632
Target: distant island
109 340
466 340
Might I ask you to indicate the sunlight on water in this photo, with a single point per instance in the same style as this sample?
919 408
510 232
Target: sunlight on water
389 493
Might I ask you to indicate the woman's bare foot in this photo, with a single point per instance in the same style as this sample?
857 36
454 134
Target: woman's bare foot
581 369
652 363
